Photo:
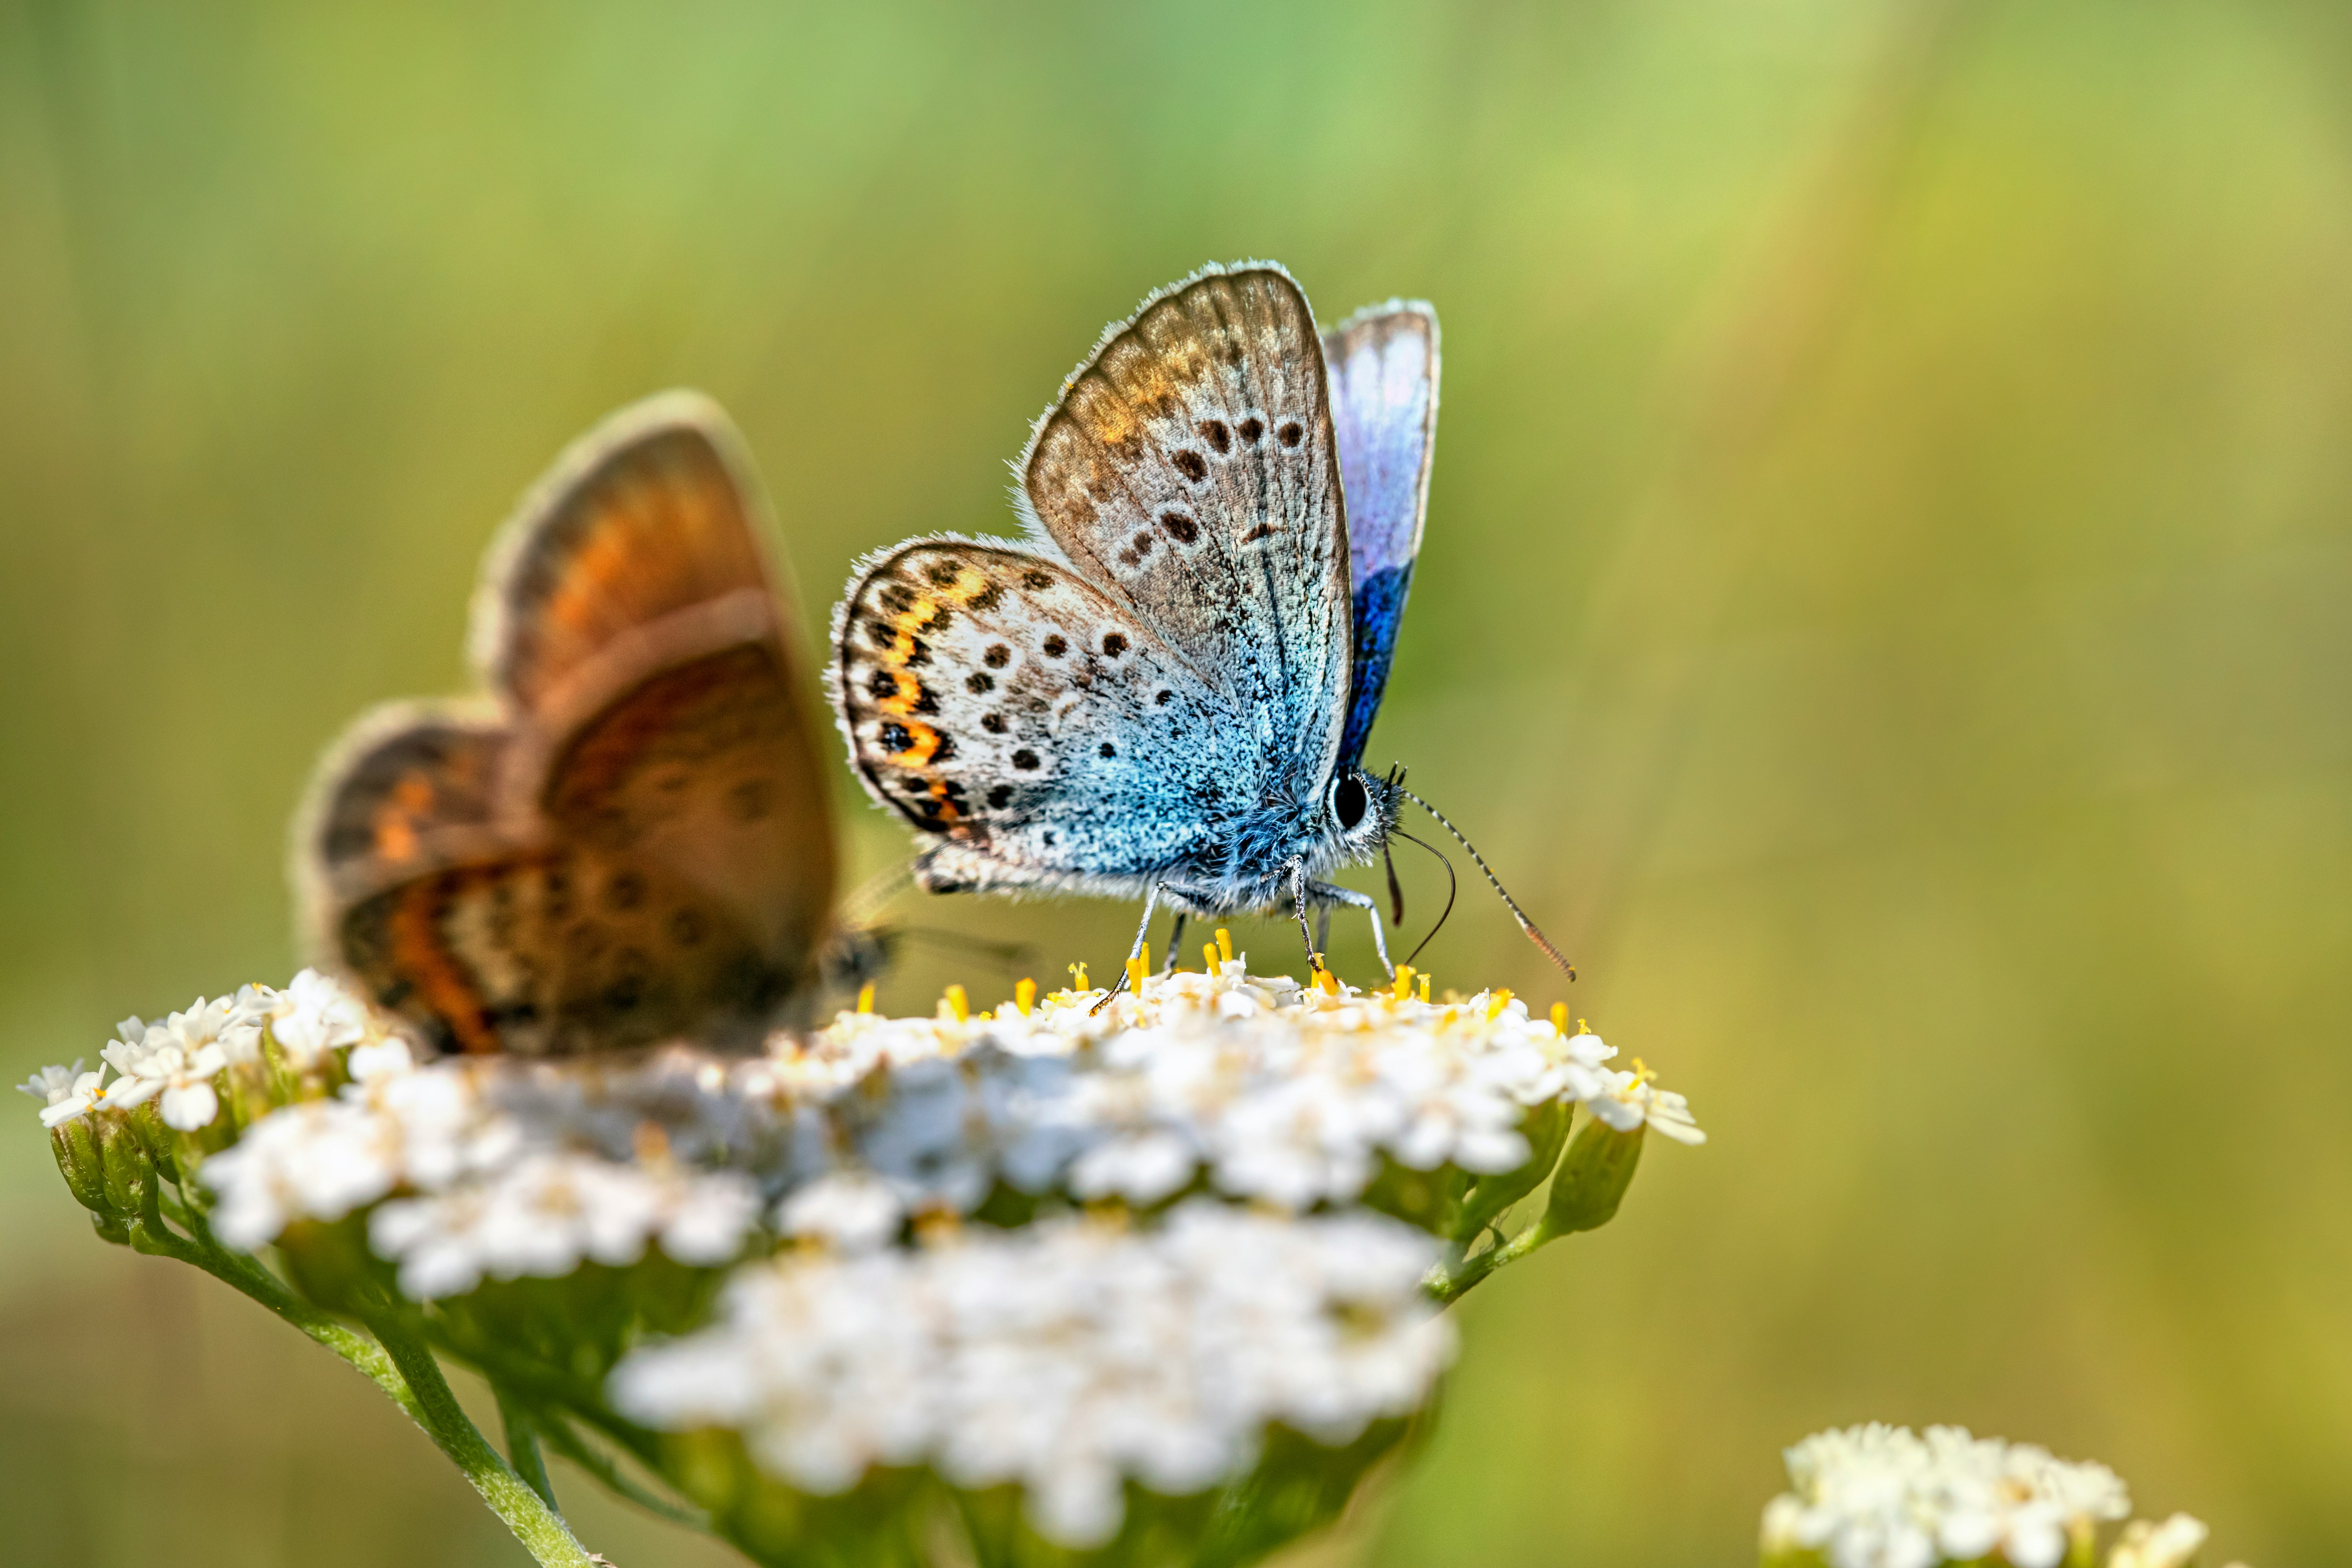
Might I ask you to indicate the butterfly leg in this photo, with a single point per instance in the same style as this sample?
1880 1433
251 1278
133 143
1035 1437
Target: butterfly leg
1297 869
1326 894
1142 930
1175 944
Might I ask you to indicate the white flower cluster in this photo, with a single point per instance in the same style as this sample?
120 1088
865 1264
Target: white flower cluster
1286 1095
1259 1088
179 1060
483 1200
1886 1496
1068 1356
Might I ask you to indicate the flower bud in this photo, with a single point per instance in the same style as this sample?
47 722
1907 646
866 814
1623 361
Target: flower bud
75 1144
1545 1127
145 1121
1591 1179
127 1165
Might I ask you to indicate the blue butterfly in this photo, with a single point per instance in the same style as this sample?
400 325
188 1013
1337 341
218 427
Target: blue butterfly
1164 692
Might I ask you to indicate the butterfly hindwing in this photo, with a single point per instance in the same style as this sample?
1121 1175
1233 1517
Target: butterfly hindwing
1190 470
558 952
635 843
1383 364
997 700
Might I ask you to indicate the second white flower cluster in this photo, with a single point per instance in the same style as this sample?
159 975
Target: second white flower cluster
1068 1355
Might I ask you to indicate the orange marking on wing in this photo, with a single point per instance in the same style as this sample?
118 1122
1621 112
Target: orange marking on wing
925 746
599 568
1105 418
395 817
422 958
970 583
947 808
902 700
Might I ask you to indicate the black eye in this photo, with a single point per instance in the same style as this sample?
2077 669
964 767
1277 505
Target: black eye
1349 803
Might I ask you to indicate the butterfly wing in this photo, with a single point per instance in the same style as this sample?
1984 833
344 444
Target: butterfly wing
637 844
1383 364
1032 724
1189 470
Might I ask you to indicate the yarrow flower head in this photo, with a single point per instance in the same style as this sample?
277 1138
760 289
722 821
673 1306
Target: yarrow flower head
1069 1357
1886 1496
65 1093
1078 1269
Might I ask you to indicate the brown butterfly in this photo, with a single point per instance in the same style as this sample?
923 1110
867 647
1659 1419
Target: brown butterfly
628 839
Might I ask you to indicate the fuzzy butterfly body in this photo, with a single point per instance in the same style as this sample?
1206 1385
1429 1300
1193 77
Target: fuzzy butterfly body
1151 696
628 839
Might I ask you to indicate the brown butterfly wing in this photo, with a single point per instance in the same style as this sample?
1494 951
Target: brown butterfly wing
641 846
646 516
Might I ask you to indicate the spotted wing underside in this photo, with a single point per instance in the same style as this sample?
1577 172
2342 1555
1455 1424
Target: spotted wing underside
1190 471
997 700
1384 363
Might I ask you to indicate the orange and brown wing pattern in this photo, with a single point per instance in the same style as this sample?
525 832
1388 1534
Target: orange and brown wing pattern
639 846
645 517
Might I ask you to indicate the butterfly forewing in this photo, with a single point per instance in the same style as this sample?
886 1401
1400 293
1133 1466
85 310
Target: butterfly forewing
637 844
1190 469
1383 365
640 520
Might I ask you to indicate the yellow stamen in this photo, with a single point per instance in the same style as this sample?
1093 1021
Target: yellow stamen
1425 987
1559 1019
1025 996
865 998
1137 967
1225 944
1405 983
1325 981
1495 1008
1582 1027
1078 978
959 1004
1208 956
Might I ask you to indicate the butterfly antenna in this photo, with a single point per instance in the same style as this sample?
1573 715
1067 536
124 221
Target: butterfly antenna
1453 885
1008 957
1518 914
864 908
1396 889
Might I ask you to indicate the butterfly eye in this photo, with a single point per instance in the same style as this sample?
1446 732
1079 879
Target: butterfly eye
1350 803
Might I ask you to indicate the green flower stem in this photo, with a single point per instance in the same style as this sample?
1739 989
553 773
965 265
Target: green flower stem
1452 1279
436 1409
394 1361
523 1443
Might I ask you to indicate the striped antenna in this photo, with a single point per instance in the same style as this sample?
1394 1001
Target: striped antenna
1518 914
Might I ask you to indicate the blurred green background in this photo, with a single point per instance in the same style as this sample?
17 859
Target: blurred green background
1885 607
